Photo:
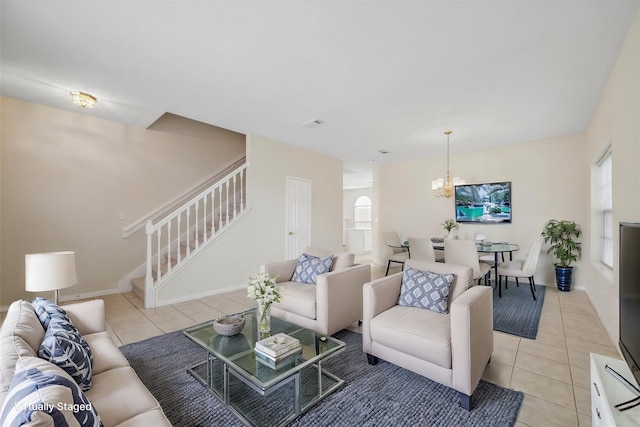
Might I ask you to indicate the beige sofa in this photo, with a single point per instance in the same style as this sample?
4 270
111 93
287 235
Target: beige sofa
117 394
332 304
452 349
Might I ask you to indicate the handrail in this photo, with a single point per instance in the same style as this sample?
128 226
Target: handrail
170 206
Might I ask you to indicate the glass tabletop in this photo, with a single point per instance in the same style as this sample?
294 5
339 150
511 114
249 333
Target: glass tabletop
238 351
493 247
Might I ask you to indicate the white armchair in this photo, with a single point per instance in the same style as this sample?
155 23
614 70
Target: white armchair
332 304
452 349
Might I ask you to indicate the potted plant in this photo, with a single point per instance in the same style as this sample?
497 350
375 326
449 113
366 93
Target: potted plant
449 225
562 237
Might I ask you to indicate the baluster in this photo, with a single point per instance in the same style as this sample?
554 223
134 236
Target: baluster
212 194
235 203
158 272
241 190
197 236
178 251
169 246
148 282
188 213
227 203
219 207
204 219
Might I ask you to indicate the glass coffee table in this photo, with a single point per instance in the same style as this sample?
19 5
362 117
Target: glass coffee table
258 394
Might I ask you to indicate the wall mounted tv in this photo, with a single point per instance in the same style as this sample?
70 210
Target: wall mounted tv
488 203
629 271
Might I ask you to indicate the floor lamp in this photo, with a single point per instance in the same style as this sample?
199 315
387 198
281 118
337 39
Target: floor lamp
50 271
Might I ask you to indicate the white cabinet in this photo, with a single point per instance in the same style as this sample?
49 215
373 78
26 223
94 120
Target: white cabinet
359 240
607 391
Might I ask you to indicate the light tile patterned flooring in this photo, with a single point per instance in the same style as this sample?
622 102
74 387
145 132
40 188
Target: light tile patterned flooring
552 370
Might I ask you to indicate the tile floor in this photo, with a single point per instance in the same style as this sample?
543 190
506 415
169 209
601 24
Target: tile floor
552 370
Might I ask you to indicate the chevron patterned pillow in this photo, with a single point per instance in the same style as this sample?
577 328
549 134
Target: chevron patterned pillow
63 346
425 289
308 268
43 394
45 309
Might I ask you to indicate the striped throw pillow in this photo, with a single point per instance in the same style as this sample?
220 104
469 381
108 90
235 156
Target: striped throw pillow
43 394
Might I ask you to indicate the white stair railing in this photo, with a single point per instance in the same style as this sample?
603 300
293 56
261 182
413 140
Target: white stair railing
191 227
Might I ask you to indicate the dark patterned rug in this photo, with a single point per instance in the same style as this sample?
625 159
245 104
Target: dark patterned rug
516 313
380 395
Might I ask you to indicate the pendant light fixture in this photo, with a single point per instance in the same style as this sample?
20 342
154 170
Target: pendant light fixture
445 187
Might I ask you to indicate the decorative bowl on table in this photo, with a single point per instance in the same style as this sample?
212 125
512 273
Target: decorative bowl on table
229 325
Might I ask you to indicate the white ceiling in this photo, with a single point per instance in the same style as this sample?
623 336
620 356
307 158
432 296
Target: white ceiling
390 75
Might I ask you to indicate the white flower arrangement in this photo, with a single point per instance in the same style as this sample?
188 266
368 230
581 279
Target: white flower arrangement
263 288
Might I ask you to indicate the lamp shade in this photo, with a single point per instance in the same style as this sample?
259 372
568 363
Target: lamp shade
50 271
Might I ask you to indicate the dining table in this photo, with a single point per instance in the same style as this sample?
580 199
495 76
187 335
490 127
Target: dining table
495 248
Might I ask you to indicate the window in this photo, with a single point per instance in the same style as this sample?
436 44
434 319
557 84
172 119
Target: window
362 217
606 205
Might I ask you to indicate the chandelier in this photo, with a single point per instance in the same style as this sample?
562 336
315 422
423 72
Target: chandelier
444 187
84 100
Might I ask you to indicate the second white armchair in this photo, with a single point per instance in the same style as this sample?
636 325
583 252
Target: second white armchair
451 348
333 303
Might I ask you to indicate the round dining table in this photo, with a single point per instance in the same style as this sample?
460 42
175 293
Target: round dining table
496 248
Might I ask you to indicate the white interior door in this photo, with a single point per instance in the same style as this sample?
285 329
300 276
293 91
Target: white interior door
298 218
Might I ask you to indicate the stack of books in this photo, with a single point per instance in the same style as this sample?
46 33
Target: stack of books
277 350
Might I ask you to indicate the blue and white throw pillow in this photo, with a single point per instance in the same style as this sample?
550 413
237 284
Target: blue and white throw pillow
425 289
42 394
45 309
63 346
308 268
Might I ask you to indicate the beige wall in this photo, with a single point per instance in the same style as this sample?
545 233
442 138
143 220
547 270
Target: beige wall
616 122
66 177
549 180
259 238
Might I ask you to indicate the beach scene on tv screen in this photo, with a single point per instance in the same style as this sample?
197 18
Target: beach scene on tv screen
489 203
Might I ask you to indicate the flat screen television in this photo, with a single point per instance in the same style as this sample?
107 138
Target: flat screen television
629 257
488 203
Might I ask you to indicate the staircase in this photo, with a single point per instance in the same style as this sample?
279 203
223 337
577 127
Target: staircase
175 239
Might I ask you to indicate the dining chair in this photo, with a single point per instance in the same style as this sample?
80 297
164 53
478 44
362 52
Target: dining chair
465 252
399 253
422 249
522 268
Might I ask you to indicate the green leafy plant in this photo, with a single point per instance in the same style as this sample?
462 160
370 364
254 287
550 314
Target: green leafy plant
562 236
449 224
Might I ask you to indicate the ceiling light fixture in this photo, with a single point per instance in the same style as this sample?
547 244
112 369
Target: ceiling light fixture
313 123
445 187
83 99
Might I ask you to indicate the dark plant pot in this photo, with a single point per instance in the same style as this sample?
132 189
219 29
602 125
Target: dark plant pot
564 276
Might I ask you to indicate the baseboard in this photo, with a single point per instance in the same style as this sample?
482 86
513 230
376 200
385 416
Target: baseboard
201 295
78 297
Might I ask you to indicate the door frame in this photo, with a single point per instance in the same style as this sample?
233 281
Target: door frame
287 248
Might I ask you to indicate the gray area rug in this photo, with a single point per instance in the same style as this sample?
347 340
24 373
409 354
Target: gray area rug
516 313
380 395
